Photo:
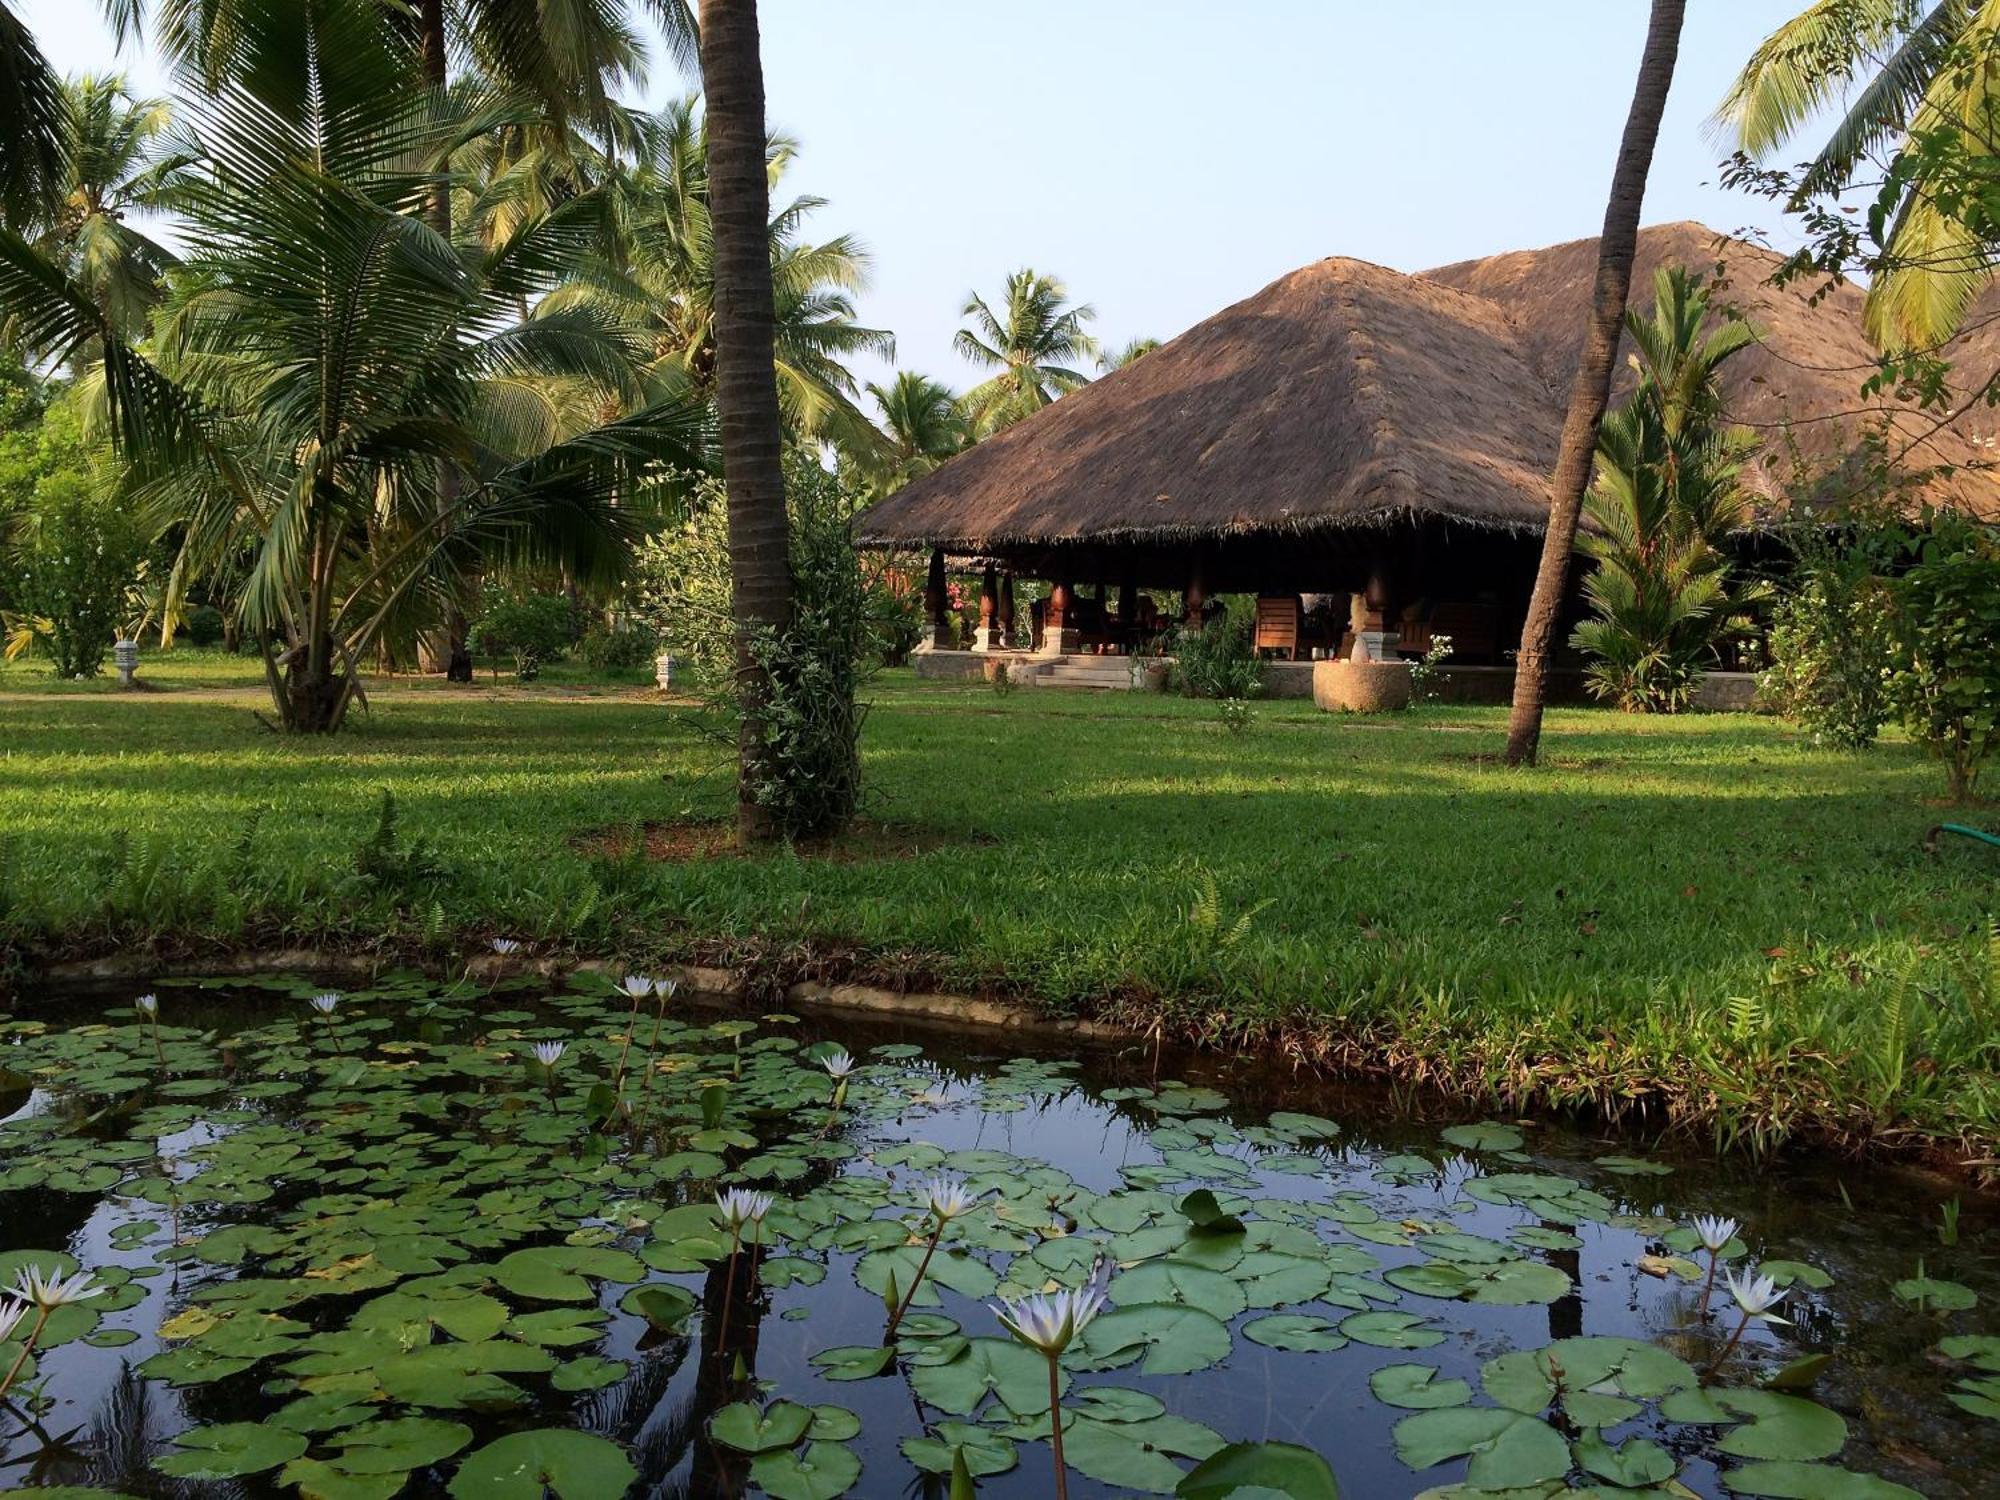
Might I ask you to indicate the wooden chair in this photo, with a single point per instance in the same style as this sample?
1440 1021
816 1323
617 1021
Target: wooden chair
1278 621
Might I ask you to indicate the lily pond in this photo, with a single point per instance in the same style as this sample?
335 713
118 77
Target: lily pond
276 1239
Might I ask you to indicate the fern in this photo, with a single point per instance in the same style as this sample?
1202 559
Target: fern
1746 1016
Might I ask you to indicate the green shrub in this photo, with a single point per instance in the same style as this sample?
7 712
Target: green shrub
1945 618
617 650
815 667
813 716
204 626
1831 647
78 564
531 628
1216 661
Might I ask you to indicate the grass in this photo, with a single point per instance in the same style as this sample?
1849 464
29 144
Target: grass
1696 919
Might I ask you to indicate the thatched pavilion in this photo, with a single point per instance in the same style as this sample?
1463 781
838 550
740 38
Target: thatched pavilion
1376 441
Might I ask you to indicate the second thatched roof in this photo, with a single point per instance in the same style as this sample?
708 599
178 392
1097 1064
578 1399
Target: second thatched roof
1346 394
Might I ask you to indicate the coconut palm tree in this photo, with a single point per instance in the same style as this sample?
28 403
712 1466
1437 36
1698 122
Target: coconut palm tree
664 276
564 55
1035 342
1926 104
31 103
925 426
248 424
1118 359
1666 496
114 168
1590 389
738 210
567 55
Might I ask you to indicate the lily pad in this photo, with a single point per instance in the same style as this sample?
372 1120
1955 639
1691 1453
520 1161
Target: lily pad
1508 1450
1167 1340
524 1465
1297 1332
1802 1481
741 1426
1780 1427
1417 1387
1279 1469
230 1450
1390 1330
821 1472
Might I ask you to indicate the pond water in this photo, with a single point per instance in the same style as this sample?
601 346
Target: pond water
384 1250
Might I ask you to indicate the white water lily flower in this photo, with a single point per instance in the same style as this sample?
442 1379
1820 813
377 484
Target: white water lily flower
147 1005
11 1313
838 1064
506 947
947 1197
1714 1232
637 986
665 988
47 1292
739 1207
548 1054
1051 1323
325 1004
1756 1295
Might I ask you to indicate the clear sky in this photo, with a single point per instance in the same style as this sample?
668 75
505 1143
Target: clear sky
1168 157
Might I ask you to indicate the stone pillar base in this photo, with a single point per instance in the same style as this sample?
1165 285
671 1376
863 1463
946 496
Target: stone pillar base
1064 642
989 638
1377 645
935 638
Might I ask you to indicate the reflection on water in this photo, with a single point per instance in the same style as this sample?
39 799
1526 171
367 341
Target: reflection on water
104 1423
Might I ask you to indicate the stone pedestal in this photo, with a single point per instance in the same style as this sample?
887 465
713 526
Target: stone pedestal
935 638
989 638
1060 640
1361 687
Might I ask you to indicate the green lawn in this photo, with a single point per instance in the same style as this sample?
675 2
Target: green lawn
1696 917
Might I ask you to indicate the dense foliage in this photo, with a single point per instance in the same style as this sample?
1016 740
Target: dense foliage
70 546
1216 660
1945 674
815 666
530 627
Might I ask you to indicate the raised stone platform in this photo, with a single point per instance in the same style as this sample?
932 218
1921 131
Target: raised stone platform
1720 692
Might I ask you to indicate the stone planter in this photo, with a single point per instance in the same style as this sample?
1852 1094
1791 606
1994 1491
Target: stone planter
1361 687
668 672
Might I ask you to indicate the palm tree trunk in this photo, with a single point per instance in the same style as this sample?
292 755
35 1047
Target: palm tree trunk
1590 392
760 565
443 649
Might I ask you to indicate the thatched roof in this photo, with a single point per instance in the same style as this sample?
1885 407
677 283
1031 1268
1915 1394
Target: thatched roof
1348 394
1800 387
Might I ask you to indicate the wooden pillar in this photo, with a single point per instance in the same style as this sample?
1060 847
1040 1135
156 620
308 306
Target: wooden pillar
1195 595
937 631
989 637
1059 632
1375 634
1007 607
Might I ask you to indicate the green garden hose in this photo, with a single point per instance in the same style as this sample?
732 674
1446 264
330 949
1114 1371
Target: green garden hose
1981 834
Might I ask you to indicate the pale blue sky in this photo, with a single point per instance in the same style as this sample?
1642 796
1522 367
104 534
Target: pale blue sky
1168 157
